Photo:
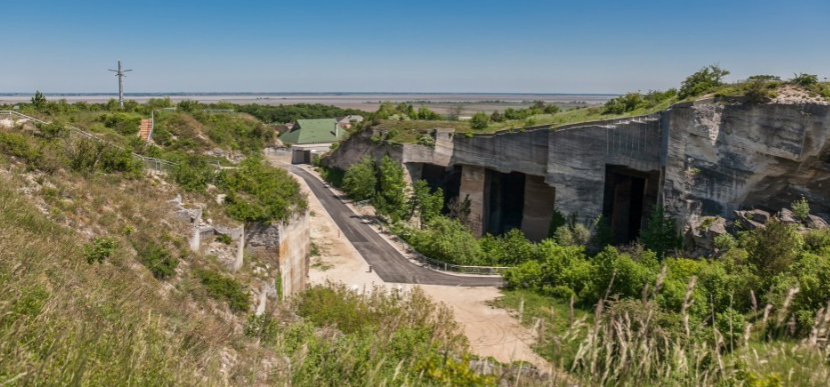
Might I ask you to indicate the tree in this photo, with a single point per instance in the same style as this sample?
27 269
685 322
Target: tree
360 180
756 91
479 121
424 113
390 199
704 80
804 80
660 235
455 112
39 100
773 248
496 116
801 208
425 203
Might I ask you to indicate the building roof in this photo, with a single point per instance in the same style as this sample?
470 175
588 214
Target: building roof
312 132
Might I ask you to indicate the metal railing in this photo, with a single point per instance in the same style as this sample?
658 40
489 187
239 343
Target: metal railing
448 267
149 162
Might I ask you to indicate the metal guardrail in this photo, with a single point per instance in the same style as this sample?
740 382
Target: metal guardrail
149 162
443 266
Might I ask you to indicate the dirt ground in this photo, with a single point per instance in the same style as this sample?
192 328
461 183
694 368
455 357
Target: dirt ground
491 331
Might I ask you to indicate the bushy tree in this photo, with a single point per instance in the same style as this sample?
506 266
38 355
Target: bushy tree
479 121
704 80
360 180
773 248
757 91
260 193
39 100
804 80
661 234
391 189
496 116
424 202
801 208
449 241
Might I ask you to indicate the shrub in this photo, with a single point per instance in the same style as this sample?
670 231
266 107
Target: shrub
757 91
224 238
801 208
661 234
479 121
447 240
360 180
226 289
193 173
122 123
773 249
724 242
259 193
18 145
160 262
99 249
704 80
804 80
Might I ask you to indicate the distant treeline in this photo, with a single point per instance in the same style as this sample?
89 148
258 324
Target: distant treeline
288 113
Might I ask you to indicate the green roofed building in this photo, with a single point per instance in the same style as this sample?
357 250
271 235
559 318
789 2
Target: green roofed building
317 131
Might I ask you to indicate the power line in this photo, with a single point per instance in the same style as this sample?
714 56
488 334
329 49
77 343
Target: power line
120 74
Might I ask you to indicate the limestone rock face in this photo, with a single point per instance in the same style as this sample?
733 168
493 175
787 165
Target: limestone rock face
703 158
815 222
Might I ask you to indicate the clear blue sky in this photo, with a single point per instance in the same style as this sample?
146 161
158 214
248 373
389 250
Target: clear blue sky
444 46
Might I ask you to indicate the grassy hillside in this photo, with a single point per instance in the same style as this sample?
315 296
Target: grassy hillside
98 286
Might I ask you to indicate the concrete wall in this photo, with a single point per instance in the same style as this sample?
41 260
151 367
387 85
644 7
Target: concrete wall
475 187
287 246
538 208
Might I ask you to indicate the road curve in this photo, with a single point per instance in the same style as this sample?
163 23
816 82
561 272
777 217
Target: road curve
388 262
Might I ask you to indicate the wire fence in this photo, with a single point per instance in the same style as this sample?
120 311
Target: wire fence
149 162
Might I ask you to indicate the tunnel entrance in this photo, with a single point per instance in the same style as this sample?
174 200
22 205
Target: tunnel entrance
629 197
506 204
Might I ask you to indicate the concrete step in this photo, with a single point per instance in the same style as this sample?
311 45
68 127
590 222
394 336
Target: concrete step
145 129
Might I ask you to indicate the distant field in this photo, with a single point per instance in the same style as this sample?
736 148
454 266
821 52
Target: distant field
439 102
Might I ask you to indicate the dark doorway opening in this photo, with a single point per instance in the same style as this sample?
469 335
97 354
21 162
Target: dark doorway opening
506 204
628 199
446 178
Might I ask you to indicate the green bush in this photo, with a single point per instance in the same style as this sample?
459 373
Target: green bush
18 145
123 123
704 80
805 80
160 261
360 180
447 240
479 121
226 289
99 249
224 238
801 209
260 193
661 234
773 248
193 173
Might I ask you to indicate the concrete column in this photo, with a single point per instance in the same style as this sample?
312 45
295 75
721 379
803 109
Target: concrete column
538 208
475 187
240 251
196 239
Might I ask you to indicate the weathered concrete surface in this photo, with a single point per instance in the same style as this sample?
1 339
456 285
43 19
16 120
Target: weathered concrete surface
475 188
706 158
538 208
288 246
724 157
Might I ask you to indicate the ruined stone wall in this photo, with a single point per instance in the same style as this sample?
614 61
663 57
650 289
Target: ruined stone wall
287 246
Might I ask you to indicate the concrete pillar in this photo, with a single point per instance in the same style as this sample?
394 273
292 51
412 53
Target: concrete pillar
475 187
260 309
539 203
196 239
240 251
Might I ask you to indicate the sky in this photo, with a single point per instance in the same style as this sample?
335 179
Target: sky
520 46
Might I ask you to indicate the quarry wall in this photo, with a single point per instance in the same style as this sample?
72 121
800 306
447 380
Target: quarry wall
286 245
709 157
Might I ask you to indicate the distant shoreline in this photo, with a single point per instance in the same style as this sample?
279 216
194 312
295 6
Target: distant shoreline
366 101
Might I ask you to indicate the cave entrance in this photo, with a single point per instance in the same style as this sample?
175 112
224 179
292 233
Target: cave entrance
506 204
629 197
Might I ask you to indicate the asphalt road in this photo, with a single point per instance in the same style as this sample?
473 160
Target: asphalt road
388 262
